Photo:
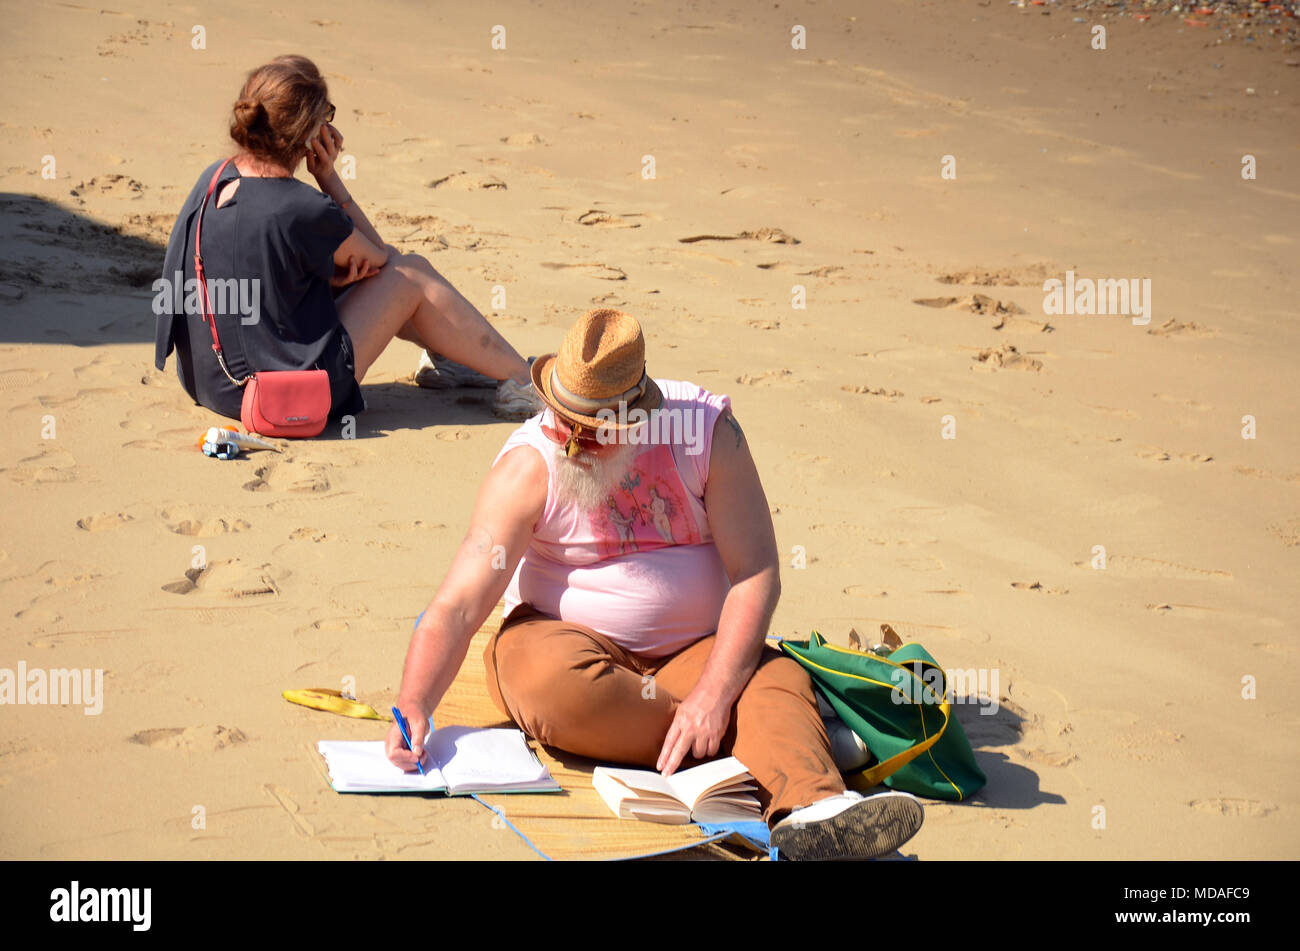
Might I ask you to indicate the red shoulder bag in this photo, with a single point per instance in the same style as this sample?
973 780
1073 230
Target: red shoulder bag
286 403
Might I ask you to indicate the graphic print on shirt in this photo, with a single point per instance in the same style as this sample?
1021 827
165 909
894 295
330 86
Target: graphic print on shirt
647 510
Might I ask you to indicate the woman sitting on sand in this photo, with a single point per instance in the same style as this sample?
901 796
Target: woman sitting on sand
317 286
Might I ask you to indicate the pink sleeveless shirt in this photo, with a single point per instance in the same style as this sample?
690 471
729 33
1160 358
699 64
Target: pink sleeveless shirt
642 569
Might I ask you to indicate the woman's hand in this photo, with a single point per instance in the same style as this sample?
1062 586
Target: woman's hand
356 270
322 151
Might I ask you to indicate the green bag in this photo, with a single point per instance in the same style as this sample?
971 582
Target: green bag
898 705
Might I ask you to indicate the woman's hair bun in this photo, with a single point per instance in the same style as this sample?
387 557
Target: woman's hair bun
280 107
248 111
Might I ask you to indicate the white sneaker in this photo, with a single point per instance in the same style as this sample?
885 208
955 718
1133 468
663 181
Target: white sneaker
517 401
436 372
849 826
848 749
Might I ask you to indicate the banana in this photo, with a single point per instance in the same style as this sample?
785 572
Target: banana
331 701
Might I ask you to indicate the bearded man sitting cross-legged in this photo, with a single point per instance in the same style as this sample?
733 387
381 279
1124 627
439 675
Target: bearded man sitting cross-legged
627 528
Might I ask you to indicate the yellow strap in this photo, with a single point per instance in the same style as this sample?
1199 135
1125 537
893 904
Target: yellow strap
875 775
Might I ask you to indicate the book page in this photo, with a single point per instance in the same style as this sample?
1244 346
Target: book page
365 767
627 802
691 785
473 758
641 780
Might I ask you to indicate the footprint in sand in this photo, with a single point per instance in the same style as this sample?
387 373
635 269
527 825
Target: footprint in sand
451 435
289 475
185 520
863 390
826 270
469 182
1038 586
522 139
997 277
102 522
782 377
764 324
230 580
1005 313
602 272
1183 610
1267 474
1137 566
769 235
191 739
109 186
415 526
1163 455
862 591
51 464
1006 357
19 379
1224 806
313 535
595 218
100 368
1174 328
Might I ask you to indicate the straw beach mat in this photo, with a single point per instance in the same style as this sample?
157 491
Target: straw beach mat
574 824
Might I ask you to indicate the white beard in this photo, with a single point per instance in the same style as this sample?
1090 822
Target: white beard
588 481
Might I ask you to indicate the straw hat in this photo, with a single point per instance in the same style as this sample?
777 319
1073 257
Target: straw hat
601 364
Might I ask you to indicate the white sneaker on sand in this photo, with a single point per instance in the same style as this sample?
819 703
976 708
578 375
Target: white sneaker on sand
516 401
436 372
849 826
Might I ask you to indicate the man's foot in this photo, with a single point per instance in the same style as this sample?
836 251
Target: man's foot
849 826
517 401
436 372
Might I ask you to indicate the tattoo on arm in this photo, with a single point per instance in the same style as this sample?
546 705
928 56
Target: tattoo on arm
735 427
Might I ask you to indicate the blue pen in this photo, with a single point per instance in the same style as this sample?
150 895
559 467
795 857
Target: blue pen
406 735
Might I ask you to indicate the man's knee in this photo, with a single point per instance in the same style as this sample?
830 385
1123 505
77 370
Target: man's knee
778 674
548 671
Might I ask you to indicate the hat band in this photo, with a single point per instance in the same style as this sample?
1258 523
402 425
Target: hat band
586 407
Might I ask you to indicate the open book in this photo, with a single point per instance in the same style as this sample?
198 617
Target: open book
718 791
458 760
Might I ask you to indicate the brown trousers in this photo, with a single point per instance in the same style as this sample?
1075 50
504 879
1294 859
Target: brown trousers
569 687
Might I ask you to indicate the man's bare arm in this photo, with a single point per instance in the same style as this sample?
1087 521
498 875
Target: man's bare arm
509 503
746 541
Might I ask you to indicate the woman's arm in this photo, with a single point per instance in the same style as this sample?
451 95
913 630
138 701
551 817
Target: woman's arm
322 151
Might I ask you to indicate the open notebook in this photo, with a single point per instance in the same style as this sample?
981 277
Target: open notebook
718 791
458 760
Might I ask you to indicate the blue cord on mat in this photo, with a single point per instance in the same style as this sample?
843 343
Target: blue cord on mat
502 814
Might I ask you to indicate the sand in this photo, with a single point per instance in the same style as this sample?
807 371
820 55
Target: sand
1144 707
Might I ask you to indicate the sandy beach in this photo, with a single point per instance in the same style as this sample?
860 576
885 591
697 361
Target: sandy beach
849 239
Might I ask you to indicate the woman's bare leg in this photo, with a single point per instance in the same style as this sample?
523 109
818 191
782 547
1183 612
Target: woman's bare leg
411 300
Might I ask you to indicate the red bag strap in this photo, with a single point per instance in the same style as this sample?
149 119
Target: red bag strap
208 317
